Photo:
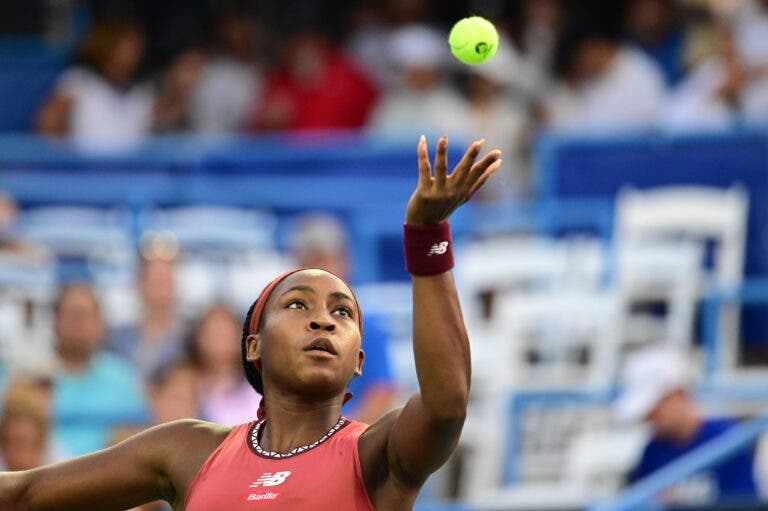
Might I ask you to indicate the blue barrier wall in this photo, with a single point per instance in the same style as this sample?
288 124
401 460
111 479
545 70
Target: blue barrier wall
367 181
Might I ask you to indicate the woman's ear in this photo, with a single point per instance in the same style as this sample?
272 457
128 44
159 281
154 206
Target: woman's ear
360 360
253 350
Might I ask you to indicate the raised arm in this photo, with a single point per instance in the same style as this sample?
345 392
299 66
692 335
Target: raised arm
154 465
422 435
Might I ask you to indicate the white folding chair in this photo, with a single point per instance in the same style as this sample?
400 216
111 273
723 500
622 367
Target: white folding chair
98 235
211 229
697 214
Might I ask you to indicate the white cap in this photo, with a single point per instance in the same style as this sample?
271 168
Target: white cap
418 46
649 376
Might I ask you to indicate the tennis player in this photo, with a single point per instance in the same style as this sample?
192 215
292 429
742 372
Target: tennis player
301 347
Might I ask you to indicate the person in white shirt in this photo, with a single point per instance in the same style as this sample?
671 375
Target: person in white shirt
230 77
422 101
751 34
100 103
498 112
604 86
708 98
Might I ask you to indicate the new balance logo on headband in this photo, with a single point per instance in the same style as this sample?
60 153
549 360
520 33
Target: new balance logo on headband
438 248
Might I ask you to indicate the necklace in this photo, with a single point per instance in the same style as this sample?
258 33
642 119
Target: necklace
256 434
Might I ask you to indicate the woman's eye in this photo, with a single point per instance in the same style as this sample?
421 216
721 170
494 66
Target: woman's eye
296 305
343 311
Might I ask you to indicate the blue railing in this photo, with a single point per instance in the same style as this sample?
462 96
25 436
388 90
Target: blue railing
643 495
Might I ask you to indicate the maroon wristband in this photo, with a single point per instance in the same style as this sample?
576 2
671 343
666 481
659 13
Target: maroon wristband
428 248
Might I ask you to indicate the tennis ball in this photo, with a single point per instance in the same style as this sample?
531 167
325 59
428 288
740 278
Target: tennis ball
473 40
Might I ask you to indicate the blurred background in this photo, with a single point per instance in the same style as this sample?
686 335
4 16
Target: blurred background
161 161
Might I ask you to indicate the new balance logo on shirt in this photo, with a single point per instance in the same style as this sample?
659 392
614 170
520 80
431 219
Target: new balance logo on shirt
270 479
438 248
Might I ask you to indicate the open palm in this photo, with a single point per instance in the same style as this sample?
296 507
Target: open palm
437 197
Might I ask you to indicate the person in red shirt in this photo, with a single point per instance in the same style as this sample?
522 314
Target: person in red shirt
301 346
316 87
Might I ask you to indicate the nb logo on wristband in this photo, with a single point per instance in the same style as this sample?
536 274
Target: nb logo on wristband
438 248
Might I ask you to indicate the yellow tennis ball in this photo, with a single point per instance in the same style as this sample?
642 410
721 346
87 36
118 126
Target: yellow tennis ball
473 40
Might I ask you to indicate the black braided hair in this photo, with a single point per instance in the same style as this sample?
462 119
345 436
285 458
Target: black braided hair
251 374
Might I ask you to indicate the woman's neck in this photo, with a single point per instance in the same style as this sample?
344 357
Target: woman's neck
293 423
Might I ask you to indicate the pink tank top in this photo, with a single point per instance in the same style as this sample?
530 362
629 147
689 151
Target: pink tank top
323 476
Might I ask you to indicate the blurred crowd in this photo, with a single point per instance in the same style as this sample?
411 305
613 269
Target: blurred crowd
385 66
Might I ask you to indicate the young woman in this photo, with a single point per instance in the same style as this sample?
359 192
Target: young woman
301 347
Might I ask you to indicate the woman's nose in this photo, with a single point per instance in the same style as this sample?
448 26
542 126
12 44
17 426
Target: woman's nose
322 324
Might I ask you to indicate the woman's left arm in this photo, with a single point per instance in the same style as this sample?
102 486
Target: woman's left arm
421 436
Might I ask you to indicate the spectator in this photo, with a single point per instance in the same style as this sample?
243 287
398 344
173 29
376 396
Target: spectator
231 76
499 115
751 32
157 338
709 97
24 428
603 85
652 26
539 27
93 387
100 99
225 396
372 25
316 86
656 389
422 102
173 393
368 40
320 242
101 103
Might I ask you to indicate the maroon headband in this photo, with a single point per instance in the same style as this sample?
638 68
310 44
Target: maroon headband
261 301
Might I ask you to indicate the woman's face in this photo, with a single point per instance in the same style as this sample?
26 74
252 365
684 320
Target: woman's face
218 340
309 341
125 58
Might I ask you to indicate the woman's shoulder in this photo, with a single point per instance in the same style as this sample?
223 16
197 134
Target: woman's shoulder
189 435
199 428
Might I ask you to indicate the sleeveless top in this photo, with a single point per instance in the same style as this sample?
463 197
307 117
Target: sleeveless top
323 476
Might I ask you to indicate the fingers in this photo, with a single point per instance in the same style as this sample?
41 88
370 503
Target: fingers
441 161
467 160
484 176
479 168
425 170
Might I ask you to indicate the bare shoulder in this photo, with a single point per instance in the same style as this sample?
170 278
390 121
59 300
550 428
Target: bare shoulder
186 445
194 431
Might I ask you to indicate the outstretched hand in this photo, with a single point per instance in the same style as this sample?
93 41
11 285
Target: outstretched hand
437 197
